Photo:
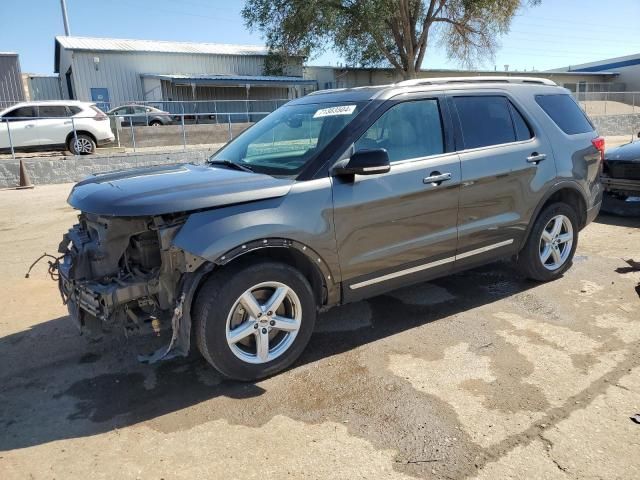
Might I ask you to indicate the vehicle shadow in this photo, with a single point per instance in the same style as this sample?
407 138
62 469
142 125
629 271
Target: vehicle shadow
77 394
619 212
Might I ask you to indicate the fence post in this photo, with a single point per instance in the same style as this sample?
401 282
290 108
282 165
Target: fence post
246 109
133 134
606 99
13 153
184 133
230 133
215 109
75 136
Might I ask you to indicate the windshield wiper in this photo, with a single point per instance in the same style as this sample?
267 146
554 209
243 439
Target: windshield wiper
230 164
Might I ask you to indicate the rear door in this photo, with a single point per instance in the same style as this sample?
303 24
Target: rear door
505 161
399 227
53 124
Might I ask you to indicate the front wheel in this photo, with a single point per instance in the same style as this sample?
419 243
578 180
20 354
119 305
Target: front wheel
254 321
552 243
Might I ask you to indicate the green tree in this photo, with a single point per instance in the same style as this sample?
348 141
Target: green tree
379 32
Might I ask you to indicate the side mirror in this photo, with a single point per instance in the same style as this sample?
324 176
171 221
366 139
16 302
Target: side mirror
366 162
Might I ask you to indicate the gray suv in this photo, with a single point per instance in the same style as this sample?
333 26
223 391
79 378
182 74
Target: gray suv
334 197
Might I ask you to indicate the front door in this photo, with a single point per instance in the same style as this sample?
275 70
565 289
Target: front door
505 161
20 128
399 227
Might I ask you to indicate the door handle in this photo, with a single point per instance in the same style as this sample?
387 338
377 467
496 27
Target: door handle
31 125
536 157
437 177
68 122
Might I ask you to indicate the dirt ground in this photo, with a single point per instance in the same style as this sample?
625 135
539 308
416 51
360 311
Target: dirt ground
479 375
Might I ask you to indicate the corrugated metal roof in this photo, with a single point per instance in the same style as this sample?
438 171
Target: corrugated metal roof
126 45
231 79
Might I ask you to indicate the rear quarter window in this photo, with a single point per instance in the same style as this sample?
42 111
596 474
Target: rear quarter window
565 113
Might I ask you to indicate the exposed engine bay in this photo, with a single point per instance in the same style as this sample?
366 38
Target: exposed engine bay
123 272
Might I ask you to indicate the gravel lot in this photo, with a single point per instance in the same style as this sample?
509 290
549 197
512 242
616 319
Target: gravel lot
482 374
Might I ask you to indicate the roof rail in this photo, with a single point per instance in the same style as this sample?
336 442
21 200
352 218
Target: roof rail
478 79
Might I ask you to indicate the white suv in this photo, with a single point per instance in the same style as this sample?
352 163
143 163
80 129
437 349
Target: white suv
50 125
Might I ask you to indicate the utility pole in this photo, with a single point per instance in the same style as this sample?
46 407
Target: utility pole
65 19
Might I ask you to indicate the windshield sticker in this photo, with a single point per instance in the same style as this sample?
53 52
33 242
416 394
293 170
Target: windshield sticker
331 111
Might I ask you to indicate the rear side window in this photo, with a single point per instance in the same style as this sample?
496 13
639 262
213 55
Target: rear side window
490 120
74 110
523 131
50 111
407 130
565 112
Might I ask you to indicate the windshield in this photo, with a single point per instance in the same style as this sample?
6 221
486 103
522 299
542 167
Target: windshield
286 140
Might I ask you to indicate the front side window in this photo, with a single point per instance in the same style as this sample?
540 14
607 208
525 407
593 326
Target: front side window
20 113
407 130
485 120
53 111
287 139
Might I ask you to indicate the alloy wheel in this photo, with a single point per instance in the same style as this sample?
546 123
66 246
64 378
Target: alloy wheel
263 322
556 242
83 145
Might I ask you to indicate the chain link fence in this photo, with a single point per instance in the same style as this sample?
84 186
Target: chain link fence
608 103
137 126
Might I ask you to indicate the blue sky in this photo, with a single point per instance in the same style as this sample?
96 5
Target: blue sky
555 34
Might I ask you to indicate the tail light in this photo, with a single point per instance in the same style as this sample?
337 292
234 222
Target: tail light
599 144
100 115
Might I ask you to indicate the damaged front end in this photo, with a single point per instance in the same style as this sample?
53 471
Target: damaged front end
124 272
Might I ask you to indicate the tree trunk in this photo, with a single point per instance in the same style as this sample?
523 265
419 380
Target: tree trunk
409 75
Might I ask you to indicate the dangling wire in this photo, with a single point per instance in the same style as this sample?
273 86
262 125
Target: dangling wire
53 266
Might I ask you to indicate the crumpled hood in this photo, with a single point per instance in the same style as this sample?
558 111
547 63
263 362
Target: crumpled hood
171 188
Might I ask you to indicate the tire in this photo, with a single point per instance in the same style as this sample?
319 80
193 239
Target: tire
155 123
82 145
229 336
558 259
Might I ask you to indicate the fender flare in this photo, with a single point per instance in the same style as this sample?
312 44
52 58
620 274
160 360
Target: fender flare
564 185
329 281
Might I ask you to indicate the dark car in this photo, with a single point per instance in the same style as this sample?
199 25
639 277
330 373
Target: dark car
335 197
141 115
621 171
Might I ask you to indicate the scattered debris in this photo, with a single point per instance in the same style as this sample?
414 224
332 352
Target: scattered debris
635 418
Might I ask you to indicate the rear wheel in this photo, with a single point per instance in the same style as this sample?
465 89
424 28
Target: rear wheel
155 123
552 243
82 144
254 321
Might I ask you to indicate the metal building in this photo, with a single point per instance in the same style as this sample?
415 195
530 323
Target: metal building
11 86
116 71
42 87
